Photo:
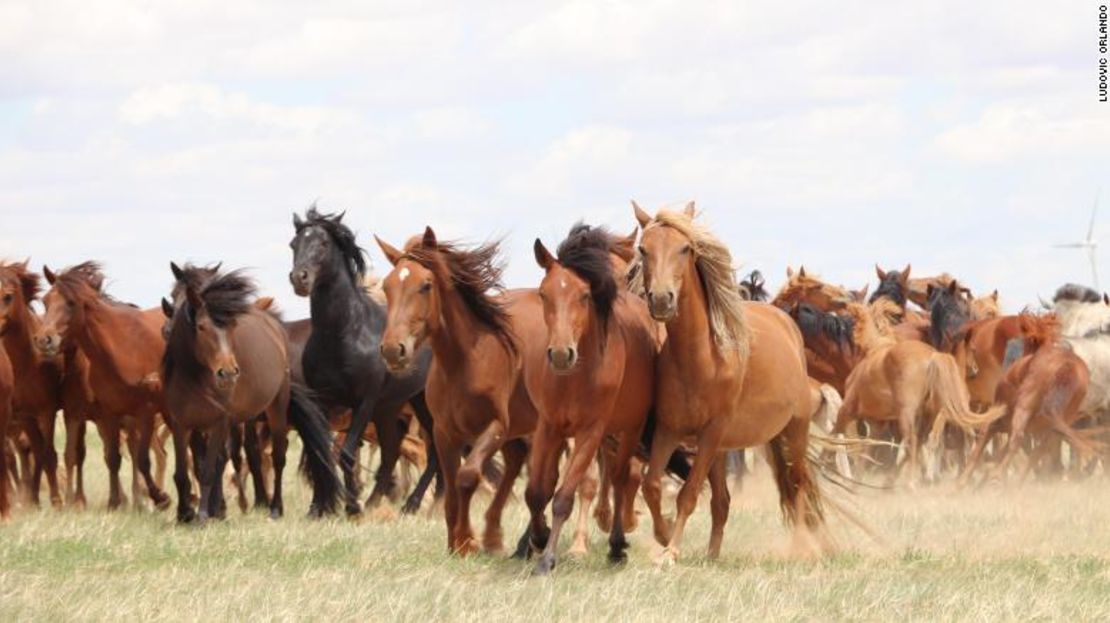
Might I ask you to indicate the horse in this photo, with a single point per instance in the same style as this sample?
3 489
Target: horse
1084 320
1044 391
753 287
7 390
124 350
342 362
731 374
893 285
907 382
439 293
598 381
986 307
986 345
225 363
37 397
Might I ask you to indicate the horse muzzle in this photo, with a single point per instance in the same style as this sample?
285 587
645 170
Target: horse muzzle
226 377
48 346
662 305
562 360
399 356
302 282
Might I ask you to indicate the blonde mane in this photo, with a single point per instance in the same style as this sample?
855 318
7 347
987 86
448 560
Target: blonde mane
718 276
872 323
372 285
800 282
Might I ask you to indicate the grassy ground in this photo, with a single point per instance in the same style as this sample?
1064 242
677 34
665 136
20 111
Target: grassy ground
1036 552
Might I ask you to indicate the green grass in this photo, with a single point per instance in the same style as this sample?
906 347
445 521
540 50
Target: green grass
1035 552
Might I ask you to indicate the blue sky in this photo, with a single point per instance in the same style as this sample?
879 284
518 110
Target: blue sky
959 137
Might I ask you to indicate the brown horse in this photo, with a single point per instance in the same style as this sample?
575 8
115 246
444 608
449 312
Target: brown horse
907 382
598 381
226 362
439 293
7 390
124 349
1043 391
987 340
731 375
38 394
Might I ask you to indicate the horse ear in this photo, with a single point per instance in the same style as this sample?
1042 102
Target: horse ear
643 217
298 222
689 209
1105 298
625 248
543 256
49 274
953 287
789 272
906 273
880 272
178 274
392 254
861 294
167 308
429 240
802 271
994 295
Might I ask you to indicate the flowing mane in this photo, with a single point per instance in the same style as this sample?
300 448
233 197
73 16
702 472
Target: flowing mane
29 283
752 287
1038 330
342 236
474 273
871 323
949 312
586 252
840 330
193 276
714 264
800 282
225 297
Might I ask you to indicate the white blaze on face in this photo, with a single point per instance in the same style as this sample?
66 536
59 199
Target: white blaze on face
404 274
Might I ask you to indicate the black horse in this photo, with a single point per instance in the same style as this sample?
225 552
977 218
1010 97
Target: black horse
341 359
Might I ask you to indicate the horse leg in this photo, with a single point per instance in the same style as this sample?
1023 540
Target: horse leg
348 455
236 456
450 454
587 494
158 445
390 437
132 441
253 448
718 505
623 496
75 459
976 456
185 512
141 456
798 493
198 444
586 445
663 446
515 451
33 478
469 477
907 426
46 422
603 513
280 440
109 434
543 475
709 441
632 485
431 469
211 470
1023 412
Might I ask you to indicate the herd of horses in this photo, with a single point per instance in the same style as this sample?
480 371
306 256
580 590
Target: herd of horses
634 357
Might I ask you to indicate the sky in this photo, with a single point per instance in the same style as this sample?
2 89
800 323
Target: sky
959 137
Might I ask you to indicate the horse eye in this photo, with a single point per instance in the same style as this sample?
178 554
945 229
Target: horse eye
685 249
7 299
426 287
586 297
642 250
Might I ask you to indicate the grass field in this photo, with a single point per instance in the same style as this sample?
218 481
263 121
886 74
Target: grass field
1035 552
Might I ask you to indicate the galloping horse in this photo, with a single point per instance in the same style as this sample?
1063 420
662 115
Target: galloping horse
341 360
987 341
1085 325
439 293
731 374
124 349
225 363
1043 390
37 395
598 381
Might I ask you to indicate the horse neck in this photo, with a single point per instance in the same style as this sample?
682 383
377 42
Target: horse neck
109 334
866 332
17 337
690 332
454 334
339 303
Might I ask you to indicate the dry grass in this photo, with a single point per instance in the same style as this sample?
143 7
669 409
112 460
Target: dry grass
1034 552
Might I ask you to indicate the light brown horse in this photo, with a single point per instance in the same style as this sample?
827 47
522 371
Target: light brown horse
439 293
598 381
731 375
907 382
986 349
38 393
1043 391
124 348
226 361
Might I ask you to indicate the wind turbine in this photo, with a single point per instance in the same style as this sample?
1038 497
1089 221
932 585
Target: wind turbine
1089 243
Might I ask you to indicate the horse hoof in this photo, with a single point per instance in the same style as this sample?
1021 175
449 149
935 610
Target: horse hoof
667 558
545 566
411 507
162 503
353 511
275 513
466 548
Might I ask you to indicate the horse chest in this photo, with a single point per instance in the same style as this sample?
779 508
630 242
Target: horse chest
462 405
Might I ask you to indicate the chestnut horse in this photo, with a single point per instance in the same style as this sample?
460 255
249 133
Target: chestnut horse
439 293
124 349
7 390
1043 392
598 381
226 361
37 395
731 375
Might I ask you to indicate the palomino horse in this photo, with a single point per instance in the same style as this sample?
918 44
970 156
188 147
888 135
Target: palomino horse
598 381
225 363
985 307
908 382
731 375
439 293
38 393
341 360
1043 391
124 350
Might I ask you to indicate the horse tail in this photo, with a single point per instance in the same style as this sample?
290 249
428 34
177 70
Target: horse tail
799 496
828 406
950 396
679 463
317 459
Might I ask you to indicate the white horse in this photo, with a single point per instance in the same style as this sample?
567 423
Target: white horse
1085 325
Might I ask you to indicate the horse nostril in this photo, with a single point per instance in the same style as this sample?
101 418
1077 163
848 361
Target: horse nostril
670 297
572 354
401 349
551 354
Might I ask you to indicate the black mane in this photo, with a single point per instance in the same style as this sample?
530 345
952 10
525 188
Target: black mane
586 252
1076 292
814 323
890 287
228 296
752 287
948 314
193 276
341 235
